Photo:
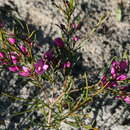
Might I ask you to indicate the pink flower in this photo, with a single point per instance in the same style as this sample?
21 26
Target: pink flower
30 43
119 97
103 80
78 26
3 59
2 55
40 67
112 84
107 83
25 71
123 65
119 66
12 41
14 57
127 100
14 68
48 55
113 72
23 49
1 24
45 67
67 64
118 70
74 26
122 77
59 42
75 38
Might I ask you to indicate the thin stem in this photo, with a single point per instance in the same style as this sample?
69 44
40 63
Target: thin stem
49 116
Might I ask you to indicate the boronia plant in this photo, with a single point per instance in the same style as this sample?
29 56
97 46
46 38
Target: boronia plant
57 63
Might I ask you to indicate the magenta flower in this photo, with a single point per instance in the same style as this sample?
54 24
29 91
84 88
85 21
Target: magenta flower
118 70
45 67
104 80
119 66
115 68
75 38
112 84
30 43
127 100
12 41
123 65
107 83
48 55
59 42
2 59
122 77
2 55
113 72
14 57
74 26
23 49
14 68
25 71
40 67
67 64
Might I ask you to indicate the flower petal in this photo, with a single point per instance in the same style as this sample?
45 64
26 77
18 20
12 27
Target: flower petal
14 68
11 40
122 77
127 100
59 42
123 65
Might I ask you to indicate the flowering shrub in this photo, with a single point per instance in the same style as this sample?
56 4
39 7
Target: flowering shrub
16 55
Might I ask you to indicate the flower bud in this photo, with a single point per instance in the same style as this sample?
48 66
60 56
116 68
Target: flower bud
122 77
67 64
14 68
2 55
25 71
40 67
127 100
75 38
59 42
12 41
48 55
23 49
14 57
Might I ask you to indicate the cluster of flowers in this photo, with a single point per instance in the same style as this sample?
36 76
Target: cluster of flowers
117 74
59 43
13 59
74 28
